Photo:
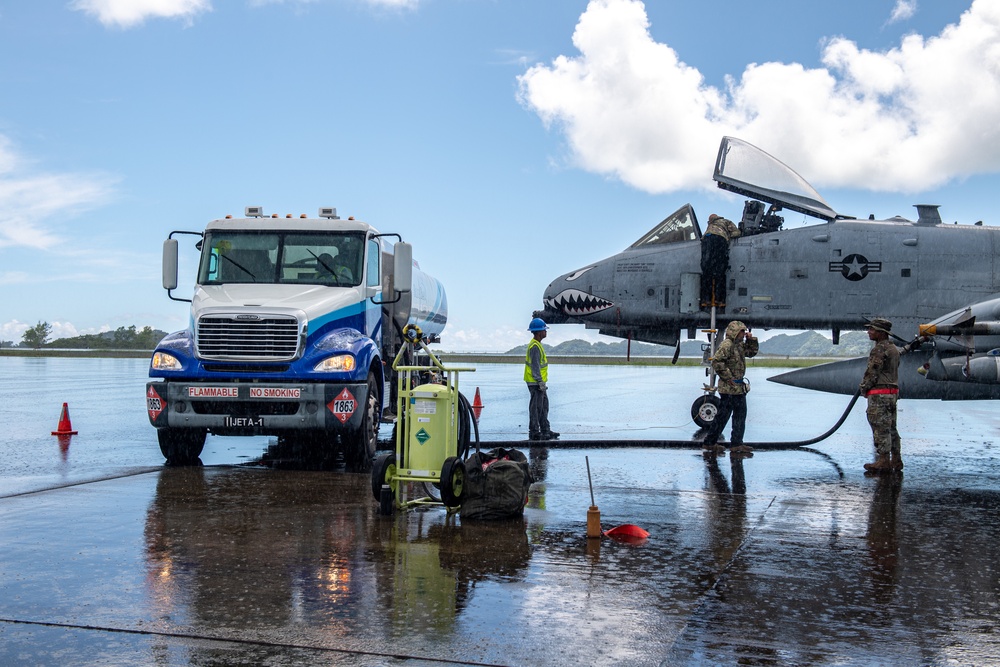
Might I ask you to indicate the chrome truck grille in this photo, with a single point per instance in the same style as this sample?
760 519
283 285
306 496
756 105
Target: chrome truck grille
236 337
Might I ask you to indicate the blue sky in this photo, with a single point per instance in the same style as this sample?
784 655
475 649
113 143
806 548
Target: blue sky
510 141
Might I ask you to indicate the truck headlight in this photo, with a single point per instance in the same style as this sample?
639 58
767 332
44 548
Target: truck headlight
341 362
165 362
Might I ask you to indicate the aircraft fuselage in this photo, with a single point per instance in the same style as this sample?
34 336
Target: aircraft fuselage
827 276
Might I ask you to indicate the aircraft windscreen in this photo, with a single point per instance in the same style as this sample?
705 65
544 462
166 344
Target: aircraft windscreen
679 227
744 168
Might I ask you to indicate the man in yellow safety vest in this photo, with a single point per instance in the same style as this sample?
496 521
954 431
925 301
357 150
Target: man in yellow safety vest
536 375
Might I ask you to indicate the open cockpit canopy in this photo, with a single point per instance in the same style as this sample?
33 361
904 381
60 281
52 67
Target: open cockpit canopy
745 169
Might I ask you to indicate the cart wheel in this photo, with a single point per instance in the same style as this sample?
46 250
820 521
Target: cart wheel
704 410
452 481
382 473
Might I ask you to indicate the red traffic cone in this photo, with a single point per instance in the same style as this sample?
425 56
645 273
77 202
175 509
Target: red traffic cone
477 406
65 427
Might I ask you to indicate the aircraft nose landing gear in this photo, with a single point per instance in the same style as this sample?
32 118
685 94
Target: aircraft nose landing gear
706 407
704 410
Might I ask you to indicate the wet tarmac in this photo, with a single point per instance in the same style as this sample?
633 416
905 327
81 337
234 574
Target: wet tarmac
789 557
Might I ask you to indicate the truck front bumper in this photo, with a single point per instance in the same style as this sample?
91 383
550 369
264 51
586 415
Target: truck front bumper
254 408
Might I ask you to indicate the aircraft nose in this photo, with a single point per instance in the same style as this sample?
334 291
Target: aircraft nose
576 294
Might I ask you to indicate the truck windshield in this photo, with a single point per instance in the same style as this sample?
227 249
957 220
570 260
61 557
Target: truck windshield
315 258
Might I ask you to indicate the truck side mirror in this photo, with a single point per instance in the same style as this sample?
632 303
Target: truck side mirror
170 264
402 267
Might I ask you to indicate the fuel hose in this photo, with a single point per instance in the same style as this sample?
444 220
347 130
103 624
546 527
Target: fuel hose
665 444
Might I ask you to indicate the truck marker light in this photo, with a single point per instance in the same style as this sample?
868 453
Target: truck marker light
165 362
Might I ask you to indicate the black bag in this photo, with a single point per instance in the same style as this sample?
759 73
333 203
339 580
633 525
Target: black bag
496 485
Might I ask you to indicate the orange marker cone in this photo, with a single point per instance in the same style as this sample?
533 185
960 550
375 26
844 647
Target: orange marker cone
65 427
477 406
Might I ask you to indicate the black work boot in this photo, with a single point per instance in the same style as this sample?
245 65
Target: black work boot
881 464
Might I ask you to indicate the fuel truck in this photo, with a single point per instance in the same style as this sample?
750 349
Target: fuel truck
294 325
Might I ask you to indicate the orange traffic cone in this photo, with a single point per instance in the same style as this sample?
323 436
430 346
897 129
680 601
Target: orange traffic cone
477 406
65 427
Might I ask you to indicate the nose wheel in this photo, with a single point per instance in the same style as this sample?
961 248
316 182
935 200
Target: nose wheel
705 409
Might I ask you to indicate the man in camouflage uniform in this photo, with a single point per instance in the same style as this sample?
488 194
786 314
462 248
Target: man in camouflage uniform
880 385
730 366
715 259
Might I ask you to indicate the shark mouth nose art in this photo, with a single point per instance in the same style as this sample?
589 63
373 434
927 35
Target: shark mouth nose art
576 303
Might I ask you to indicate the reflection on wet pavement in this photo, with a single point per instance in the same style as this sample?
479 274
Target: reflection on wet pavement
244 564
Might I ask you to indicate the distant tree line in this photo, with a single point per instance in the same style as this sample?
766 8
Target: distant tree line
804 344
122 338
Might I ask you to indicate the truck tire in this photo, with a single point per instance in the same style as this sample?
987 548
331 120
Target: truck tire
360 446
181 447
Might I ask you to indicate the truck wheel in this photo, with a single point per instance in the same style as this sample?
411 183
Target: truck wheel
181 447
452 481
360 446
704 410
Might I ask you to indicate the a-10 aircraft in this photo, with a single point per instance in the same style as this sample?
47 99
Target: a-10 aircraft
933 280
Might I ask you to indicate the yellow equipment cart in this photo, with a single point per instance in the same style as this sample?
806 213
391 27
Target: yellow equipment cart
428 454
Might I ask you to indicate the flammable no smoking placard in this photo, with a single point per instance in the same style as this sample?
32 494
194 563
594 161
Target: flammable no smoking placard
275 392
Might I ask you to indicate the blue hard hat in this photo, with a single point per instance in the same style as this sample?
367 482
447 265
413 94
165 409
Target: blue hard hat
538 324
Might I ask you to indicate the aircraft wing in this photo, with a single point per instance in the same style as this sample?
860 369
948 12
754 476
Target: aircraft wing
962 364
843 377
772 180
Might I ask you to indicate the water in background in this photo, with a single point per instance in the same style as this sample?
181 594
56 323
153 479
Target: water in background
106 399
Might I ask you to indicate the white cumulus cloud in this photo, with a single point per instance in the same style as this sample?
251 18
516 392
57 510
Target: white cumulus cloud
13 331
906 119
130 13
903 10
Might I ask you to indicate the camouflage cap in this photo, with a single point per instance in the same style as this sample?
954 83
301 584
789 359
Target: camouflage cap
880 324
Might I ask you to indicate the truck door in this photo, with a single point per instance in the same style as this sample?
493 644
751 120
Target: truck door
373 279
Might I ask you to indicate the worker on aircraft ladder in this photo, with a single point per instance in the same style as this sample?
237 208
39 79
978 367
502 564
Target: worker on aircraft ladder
715 260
